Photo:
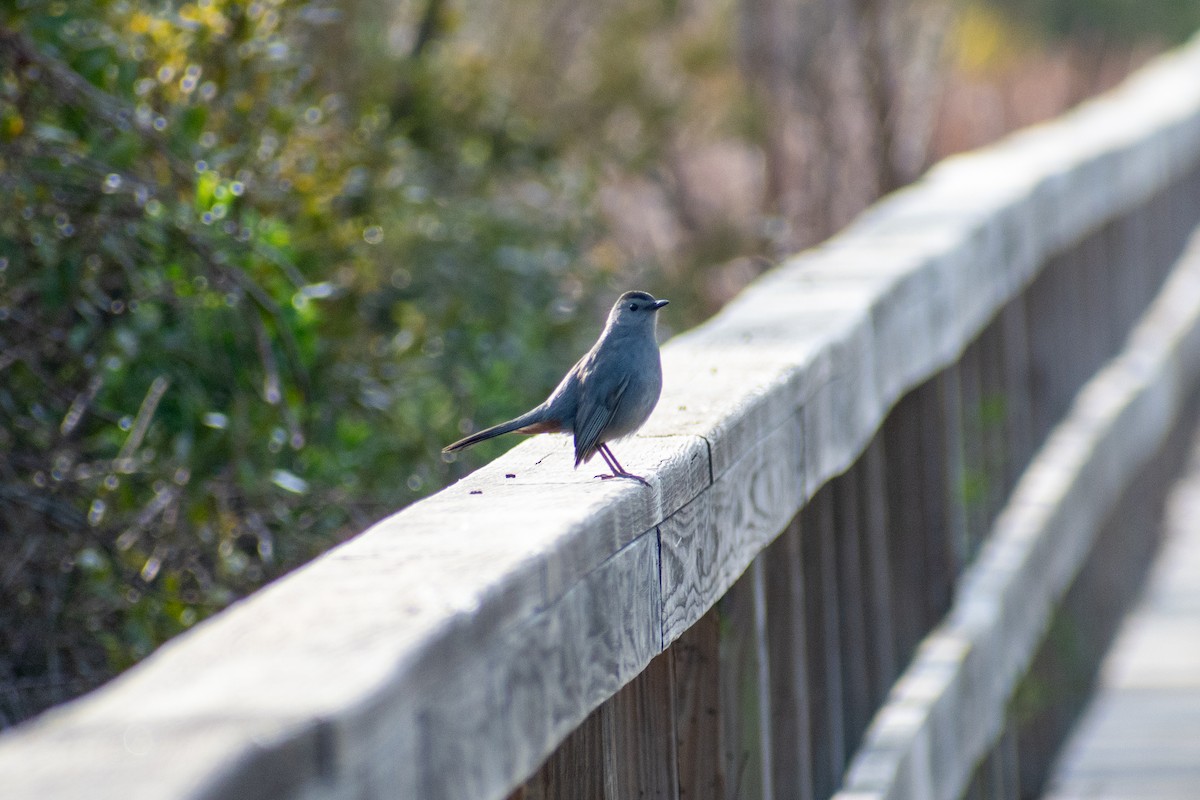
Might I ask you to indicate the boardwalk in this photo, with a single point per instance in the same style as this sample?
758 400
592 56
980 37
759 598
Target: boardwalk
877 477
1140 735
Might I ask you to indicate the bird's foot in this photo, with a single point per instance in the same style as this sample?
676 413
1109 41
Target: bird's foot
629 475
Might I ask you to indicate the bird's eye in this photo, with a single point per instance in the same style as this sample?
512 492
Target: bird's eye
633 306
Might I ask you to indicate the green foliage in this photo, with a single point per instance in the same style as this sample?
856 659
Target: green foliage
1123 21
243 305
261 259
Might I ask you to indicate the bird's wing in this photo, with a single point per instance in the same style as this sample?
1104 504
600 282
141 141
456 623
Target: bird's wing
594 417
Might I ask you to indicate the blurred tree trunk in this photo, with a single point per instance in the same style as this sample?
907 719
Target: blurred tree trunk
848 90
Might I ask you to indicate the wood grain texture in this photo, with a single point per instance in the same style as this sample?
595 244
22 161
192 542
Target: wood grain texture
711 541
745 707
697 689
639 736
571 520
575 771
523 694
543 590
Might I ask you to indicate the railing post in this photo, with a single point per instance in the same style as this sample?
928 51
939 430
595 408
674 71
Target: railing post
877 596
791 735
824 642
852 611
744 688
697 697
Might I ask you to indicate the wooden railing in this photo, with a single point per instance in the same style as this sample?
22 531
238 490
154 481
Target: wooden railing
875 481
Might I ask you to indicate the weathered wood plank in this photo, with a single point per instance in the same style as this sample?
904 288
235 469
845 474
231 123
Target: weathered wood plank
937 493
992 411
1047 335
949 446
972 475
824 643
639 736
851 610
574 521
745 708
948 708
791 735
877 597
906 525
576 769
1086 618
708 543
1018 415
1140 736
523 693
697 710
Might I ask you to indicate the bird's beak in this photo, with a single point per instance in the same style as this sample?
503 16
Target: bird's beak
660 303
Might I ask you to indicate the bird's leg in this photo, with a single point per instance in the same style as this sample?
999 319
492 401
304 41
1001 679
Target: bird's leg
617 470
608 459
612 460
614 467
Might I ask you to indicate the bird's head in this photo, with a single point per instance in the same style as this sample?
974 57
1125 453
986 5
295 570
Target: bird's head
635 310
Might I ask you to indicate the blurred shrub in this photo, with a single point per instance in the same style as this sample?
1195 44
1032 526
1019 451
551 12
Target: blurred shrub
244 300
1116 21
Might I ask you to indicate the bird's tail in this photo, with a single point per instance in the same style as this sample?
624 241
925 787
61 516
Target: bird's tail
530 422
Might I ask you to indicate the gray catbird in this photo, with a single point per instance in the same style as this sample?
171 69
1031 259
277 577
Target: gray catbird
608 394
